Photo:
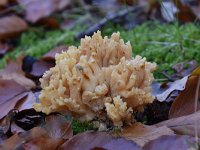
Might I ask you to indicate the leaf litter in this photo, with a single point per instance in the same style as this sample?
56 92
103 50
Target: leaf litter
22 127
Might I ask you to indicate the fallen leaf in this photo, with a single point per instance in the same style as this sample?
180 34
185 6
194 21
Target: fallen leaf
196 72
37 9
12 143
26 102
10 104
39 139
13 71
9 89
177 85
35 139
187 13
10 93
3 48
55 131
39 67
184 104
185 125
168 10
172 142
50 56
49 22
11 26
97 140
141 134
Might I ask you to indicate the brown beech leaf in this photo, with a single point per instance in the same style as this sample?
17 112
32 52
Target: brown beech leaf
37 9
187 13
172 142
185 125
26 102
36 138
10 104
39 67
141 134
50 56
41 138
184 104
49 22
176 85
9 89
11 26
10 93
13 71
12 143
92 140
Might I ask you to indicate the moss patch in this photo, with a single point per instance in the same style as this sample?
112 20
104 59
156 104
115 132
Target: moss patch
165 44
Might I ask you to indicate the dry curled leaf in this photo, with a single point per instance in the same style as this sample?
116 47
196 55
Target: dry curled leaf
39 67
37 9
10 93
187 12
177 85
50 56
141 134
13 71
11 26
54 133
92 140
184 104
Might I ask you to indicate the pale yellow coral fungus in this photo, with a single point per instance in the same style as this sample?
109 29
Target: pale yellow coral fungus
99 79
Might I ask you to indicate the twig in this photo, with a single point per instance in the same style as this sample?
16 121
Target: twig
108 18
167 76
195 109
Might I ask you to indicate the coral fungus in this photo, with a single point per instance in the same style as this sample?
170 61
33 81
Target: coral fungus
98 80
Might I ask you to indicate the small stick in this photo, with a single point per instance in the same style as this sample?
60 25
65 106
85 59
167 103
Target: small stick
108 18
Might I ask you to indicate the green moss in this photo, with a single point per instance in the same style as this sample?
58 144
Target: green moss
79 127
165 44
36 42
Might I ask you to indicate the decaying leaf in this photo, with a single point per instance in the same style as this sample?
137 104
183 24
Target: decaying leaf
40 66
185 125
37 9
50 56
10 93
11 26
42 138
13 71
184 104
141 134
97 140
177 85
187 13
172 142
